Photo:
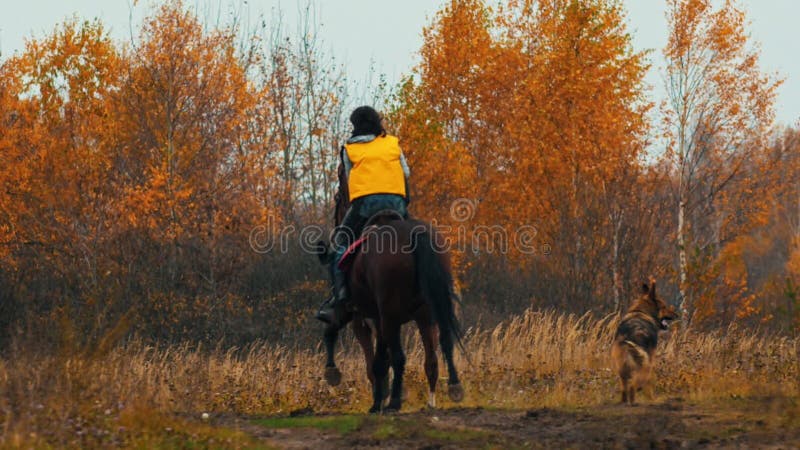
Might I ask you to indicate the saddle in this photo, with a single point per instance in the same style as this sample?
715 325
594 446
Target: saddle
386 214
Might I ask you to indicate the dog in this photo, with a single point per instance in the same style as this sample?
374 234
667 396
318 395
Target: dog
636 338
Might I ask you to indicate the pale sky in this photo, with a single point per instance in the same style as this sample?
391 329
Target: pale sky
390 31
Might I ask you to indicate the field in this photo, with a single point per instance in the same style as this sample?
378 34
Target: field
539 379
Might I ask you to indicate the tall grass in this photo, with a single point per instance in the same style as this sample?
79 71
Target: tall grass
533 360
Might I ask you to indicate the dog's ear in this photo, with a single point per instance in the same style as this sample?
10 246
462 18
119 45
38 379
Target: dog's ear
653 290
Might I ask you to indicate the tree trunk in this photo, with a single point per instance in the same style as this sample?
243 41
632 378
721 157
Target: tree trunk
616 279
683 265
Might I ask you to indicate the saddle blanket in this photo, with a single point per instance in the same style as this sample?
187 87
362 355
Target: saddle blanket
349 254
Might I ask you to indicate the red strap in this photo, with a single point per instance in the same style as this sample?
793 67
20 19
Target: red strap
344 263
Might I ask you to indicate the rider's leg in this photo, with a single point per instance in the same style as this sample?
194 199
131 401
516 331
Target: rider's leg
332 310
339 278
345 235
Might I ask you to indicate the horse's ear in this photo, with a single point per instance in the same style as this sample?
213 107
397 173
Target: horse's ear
645 288
321 250
653 290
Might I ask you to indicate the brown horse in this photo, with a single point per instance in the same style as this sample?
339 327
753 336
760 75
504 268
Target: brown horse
396 276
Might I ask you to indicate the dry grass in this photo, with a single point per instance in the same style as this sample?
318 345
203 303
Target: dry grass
138 395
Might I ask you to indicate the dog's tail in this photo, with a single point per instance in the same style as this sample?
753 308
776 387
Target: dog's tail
636 353
629 358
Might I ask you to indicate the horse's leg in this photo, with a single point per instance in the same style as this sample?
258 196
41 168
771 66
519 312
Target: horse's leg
454 389
332 374
364 335
380 369
428 334
398 367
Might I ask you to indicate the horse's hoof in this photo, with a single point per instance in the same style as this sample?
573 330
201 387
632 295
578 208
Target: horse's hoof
456 392
432 400
393 406
376 409
333 376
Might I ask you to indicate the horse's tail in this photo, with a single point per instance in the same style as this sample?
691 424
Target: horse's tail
436 286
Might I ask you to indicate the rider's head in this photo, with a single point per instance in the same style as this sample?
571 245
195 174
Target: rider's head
366 120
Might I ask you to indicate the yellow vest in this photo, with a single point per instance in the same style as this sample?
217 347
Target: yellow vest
376 168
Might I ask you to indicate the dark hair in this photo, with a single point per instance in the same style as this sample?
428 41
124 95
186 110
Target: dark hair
366 120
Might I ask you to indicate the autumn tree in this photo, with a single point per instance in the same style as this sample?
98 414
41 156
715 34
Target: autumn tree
583 127
182 165
719 112
538 115
54 186
303 101
438 112
133 175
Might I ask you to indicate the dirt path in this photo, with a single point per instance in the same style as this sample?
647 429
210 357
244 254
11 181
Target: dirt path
674 423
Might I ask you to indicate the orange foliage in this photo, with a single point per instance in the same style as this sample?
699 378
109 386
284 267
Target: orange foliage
132 176
533 112
55 175
120 166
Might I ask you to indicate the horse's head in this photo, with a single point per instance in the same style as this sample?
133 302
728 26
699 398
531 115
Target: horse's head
323 252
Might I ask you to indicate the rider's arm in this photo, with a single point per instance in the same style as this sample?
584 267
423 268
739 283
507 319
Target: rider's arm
407 173
404 164
346 162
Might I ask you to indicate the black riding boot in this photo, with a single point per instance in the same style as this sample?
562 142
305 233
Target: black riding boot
332 310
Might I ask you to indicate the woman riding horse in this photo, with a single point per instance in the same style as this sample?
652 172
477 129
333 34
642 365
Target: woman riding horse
376 174
398 275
